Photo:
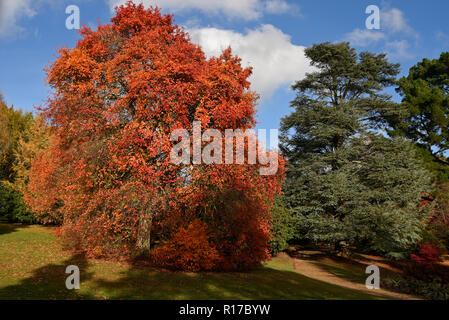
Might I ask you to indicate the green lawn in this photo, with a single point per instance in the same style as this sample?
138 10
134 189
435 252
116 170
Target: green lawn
32 266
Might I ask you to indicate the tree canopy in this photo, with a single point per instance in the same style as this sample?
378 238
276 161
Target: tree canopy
14 125
345 180
425 98
117 97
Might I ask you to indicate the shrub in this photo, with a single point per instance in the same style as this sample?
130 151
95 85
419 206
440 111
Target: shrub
434 290
189 250
438 223
422 275
283 228
428 254
430 272
12 207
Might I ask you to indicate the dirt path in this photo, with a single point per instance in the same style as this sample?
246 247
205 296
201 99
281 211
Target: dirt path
311 269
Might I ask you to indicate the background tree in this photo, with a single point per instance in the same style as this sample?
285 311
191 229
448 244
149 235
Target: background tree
345 181
425 97
14 125
4 132
37 139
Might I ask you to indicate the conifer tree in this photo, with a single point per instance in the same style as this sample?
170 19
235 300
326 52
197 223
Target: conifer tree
425 99
346 181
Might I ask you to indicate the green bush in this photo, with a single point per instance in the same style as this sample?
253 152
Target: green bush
12 206
283 228
434 290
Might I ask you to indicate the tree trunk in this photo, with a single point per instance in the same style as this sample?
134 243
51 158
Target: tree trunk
144 235
337 246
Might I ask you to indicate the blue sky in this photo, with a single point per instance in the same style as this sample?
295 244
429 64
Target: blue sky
270 35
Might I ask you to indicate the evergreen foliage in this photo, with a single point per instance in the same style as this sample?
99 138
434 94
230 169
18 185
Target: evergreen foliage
346 182
425 93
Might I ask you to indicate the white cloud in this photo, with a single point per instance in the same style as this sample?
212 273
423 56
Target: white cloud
11 12
359 37
393 25
442 36
244 9
275 60
399 49
280 6
393 21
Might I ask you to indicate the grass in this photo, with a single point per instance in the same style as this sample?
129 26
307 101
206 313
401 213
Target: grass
32 266
347 272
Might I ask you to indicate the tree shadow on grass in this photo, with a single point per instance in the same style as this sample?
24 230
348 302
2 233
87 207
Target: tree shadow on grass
112 281
6 228
48 282
262 283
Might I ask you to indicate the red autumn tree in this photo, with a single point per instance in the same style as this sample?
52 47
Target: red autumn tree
117 97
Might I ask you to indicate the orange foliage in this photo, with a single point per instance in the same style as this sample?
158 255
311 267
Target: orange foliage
117 97
44 193
189 249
